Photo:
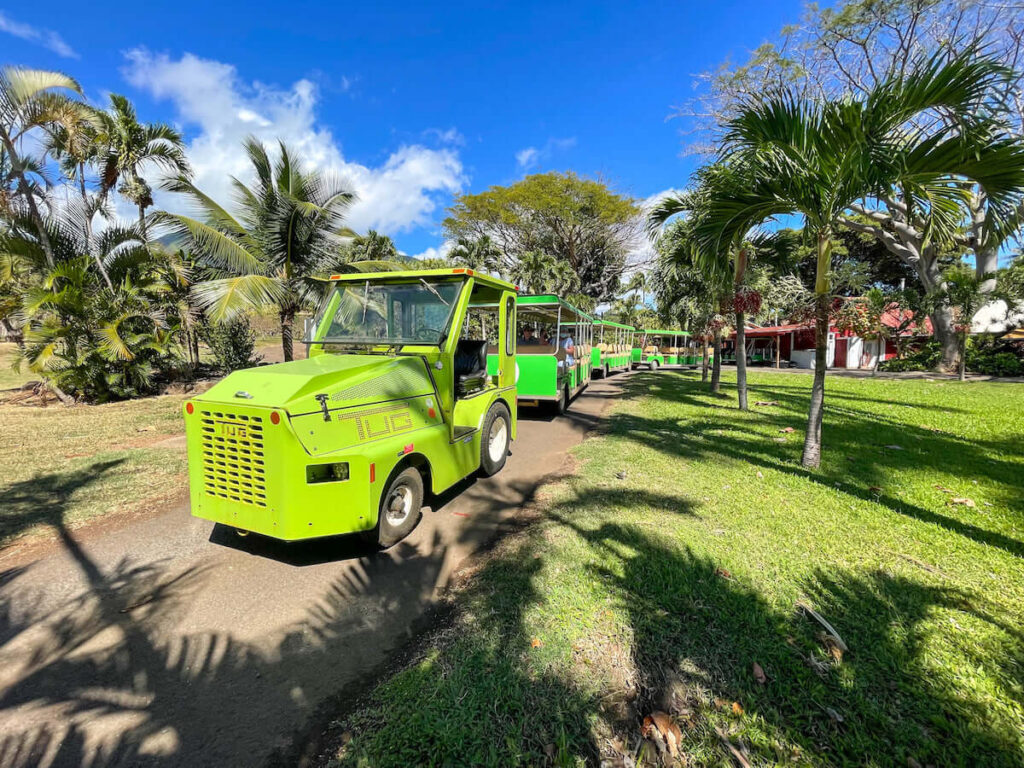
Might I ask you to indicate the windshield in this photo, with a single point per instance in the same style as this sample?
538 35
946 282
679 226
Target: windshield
417 311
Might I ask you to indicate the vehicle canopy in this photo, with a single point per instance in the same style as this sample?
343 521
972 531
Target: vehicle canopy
546 318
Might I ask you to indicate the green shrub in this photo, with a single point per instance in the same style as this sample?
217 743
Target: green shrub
924 358
232 344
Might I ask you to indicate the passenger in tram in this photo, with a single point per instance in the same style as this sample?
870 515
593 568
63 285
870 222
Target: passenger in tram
527 337
569 346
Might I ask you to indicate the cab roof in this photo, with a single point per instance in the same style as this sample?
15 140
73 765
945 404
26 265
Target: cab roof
662 332
598 321
544 299
480 277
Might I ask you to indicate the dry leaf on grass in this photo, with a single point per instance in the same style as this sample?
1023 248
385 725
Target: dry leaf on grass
894 447
759 674
964 501
723 572
942 488
759 475
767 402
802 606
875 489
732 749
536 643
662 729
787 430
736 708
831 646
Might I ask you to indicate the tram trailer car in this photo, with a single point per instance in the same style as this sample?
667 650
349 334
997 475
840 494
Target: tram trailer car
613 347
657 348
393 400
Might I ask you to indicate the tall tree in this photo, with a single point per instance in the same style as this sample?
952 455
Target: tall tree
854 46
28 99
129 147
575 220
286 232
373 246
476 253
817 158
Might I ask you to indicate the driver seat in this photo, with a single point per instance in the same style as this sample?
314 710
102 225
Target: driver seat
470 366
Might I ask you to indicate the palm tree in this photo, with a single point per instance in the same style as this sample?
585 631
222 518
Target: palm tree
128 147
288 228
72 141
372 246
479 254
28 98
816 159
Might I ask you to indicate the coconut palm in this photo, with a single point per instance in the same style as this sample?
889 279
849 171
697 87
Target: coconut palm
28 98
288 229
816 159
129 147
480 254
373 246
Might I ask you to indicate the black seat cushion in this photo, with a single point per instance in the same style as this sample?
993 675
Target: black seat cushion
470 365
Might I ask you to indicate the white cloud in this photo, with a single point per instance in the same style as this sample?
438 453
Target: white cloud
44 37
531 157
209 96
449 136
435 253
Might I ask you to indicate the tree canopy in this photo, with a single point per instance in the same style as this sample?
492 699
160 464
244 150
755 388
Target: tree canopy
575 220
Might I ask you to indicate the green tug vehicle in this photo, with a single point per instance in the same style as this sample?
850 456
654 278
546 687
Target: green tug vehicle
553 351
394 399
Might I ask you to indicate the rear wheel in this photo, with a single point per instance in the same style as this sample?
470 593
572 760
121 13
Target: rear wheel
494 440
562 404
654 365
400 507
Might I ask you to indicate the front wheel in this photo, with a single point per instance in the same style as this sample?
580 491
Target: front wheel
400 507
495 438
654 365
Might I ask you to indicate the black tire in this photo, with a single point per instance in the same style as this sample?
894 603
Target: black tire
562 404
491 462
403 494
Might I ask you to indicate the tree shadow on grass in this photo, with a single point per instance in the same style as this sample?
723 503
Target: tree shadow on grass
887 697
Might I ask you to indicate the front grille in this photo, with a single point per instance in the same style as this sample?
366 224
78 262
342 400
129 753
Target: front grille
233 461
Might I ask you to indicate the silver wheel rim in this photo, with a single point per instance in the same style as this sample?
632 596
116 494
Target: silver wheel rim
399 505
497 440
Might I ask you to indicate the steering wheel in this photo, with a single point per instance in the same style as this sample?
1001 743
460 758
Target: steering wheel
427 334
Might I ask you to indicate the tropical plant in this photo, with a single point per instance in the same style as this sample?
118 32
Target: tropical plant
84 338
476 253
372 246
966 293
817 158
128 148
28 100
537 272
287 231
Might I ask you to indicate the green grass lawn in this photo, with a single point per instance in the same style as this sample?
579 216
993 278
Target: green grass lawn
64 466
671 564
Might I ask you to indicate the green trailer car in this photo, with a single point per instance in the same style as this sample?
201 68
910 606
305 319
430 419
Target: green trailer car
612 349
394 399
553 352
657 348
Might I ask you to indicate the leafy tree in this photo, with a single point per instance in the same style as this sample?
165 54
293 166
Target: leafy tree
476 253
28 99
849 49
966 293
372 246
128 147
286 232
578 221
817 158
537 272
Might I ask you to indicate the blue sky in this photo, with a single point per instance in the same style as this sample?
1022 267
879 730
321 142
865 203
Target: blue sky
412 104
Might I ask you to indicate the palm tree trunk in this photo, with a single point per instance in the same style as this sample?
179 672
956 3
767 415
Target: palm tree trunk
63 396
287 318
87 212
741 361
812 440
37 219
716 364
963 356
142 224
703 361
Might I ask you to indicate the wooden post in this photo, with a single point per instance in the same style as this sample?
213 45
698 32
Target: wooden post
778 351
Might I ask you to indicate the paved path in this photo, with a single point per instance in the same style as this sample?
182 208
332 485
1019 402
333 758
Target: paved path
162 643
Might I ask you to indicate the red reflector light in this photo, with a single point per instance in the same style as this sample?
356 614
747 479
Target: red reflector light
189 408
373 472
335 277
431 412
408 448
275 417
